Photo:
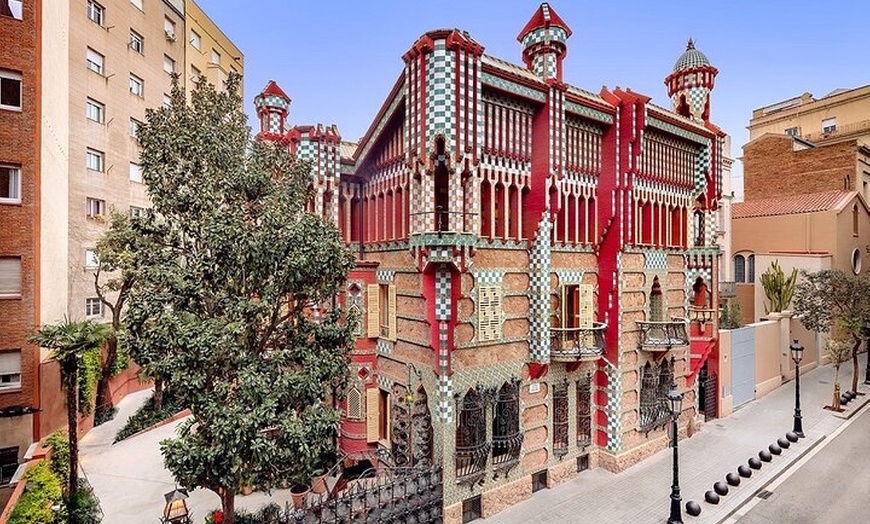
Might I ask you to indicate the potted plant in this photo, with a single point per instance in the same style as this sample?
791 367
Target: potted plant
325 462
298 492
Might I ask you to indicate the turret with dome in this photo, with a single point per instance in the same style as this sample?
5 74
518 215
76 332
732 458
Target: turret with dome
690 84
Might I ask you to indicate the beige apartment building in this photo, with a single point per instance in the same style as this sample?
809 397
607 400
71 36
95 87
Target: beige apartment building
210 54
843 114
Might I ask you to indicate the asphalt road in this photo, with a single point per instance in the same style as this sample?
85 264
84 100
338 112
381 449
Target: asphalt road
833 487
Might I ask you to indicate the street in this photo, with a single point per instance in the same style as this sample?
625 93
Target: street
832 486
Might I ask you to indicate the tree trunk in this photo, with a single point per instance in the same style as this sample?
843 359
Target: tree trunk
855 348
228 505
72 404
157 399
103 401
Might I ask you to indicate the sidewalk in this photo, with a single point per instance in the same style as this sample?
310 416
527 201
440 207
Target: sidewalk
641 494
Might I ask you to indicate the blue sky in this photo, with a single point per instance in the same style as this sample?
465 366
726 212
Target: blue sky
338 60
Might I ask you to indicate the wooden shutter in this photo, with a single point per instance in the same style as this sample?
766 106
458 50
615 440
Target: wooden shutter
372 414
392 313
389 422
10 276
374 312
586 309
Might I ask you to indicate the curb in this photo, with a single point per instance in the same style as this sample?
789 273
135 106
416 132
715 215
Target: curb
170 420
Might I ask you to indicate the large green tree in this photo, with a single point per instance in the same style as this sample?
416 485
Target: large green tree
234 306
834 300
71 342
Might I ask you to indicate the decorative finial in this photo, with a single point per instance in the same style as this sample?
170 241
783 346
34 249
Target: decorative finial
690 45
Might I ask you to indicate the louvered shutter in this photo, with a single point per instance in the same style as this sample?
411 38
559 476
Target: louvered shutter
374 312
392 313
372 414
10 276
587 307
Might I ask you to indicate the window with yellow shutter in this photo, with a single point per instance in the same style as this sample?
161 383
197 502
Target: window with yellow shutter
489 313
374 311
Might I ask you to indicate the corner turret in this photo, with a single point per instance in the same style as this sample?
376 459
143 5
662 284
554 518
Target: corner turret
544 40
690 84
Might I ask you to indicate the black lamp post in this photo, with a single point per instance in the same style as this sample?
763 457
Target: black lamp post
867 347
175 511
797 354
675 404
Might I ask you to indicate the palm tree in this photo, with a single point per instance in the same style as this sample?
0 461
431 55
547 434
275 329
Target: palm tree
69 340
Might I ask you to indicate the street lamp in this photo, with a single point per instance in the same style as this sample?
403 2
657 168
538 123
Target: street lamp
175 511
675 404
797 353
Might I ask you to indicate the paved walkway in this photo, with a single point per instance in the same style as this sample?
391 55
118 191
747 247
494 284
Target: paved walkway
641 494
129 477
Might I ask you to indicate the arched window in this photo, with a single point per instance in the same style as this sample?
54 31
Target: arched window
855 220
656 309
655 381
354 404
739 268
506 436
750 261
471 446
698 223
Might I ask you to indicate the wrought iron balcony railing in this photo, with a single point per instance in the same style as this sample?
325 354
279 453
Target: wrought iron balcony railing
577 344
663 335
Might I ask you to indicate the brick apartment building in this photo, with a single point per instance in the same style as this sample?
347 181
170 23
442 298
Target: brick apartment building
527 252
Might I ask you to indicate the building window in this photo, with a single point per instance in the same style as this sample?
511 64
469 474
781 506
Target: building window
378 416
8 456
195 40
829 125
750 262
135 173
507 439
95 61
856 261
354 409
137 86
138 4
95 160
215 57
136 212
854 220
656 307
489 313
654 409
10 277
96 208
14 10
560 419
472 449
93 307
10 184
472 509
793 131
167 100
137 42
10 370
539 480
169 29
195 74
382 311
92 261
584 412
739 268
95 111
10 90
96 12
133 129
168 65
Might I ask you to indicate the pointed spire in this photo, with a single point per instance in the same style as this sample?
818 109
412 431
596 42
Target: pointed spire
691 44
273 89
545 17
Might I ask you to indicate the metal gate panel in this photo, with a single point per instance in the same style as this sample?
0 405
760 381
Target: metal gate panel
743 365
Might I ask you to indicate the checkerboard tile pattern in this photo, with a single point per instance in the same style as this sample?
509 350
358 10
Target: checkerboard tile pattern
539 293
443 284
702 165
384 347
440 94
446 405
614 408
569 276
385 276
385 383
656 260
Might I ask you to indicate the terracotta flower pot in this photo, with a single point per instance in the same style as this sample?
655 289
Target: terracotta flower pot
298 492
318 485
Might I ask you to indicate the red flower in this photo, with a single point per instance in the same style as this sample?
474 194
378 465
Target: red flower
218 517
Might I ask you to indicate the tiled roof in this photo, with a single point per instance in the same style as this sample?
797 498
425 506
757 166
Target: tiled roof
691 59
792 205
347 149
518 70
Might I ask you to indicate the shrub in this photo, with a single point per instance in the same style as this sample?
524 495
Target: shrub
147 416
43 491
59 454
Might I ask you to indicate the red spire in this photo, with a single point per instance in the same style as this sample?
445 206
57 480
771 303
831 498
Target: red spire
273 89
545 16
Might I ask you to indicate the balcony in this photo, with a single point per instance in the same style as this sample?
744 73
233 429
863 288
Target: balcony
442 228
699 315
663 335
727 289
574 344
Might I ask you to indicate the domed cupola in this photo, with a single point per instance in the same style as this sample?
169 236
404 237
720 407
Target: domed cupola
690 84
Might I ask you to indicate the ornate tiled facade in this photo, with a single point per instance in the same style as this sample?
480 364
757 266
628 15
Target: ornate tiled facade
493 207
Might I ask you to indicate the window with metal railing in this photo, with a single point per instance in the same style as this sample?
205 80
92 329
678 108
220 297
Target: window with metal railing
560 419
507 439
584 411
472 448
655 381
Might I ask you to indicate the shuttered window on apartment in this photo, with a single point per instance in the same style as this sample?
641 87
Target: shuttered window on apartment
10 277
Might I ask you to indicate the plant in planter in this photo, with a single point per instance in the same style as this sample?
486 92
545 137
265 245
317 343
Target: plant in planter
778 289
325 462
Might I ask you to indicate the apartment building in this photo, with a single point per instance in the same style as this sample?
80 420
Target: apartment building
20 95
69 111
210 54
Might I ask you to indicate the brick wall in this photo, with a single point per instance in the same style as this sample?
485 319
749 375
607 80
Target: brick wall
771 168
19 146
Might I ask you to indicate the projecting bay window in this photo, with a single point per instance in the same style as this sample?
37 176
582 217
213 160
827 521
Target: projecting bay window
578 336
381 311
472 449
655 381
507 439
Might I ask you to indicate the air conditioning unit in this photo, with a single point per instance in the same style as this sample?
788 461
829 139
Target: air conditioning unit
170 35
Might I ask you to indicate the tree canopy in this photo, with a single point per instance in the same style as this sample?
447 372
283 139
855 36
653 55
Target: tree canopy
224 307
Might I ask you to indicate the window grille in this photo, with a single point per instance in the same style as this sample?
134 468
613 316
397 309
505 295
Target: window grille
506 436
584 412
472 448
560 419
655 382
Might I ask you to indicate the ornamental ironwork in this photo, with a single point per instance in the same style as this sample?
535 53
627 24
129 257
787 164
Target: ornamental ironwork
654 409
584 412
574 344
472 448
400 427
421 429
662 336
507 439
560 419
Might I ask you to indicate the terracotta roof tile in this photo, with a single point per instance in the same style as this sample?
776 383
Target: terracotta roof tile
791 205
